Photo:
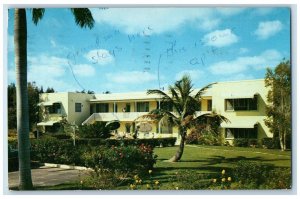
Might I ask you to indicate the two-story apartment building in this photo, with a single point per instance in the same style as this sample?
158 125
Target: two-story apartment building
242 102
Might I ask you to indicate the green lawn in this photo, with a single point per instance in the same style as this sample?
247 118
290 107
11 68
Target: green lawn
200 159
213 159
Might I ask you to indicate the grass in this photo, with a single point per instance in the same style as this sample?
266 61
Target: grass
212 159
200 159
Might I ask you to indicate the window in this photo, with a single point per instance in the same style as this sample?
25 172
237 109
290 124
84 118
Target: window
92 109
127 109
166 128
142 106
209 105
241 132
102 108
244 104
77 107
54 109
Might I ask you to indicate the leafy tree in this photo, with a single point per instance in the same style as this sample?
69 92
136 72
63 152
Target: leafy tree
50 90
95 130
11 106
83 18
279 98
33 100
185 107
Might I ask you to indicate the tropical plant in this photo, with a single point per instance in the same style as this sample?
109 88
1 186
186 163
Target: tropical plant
185 106
83 18
279 97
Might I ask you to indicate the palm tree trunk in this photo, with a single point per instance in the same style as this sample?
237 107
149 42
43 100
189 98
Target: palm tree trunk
20 39
179 152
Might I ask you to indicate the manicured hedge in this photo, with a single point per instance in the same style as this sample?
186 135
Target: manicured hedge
244 142
114 142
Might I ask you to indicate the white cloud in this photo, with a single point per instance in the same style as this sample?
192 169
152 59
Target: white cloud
130 77
226 11
220 38
50 71
84 70
262 11
99 56
139 20
239 76
268 58
243 50
194 74
267 29
53 43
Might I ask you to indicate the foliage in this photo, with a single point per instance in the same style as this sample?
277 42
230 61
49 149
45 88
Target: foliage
95 130
190 180
184 106
279 178
137 183
247 175
121 158
201 135
33 100
270 143
52 150
279 99
103 179
222 181
241 142
170 141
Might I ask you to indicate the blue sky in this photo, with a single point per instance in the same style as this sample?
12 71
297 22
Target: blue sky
134 49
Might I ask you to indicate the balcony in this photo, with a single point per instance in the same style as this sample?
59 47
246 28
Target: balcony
121 116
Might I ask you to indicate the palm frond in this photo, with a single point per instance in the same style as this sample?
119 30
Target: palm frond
202 90
37 14
83 17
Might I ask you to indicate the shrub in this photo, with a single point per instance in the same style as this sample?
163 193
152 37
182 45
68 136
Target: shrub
251 173
52 150
241 142
136 142
203 137
95 130
103 179
190 180
279 178
121 158
255 175
192 138
270 143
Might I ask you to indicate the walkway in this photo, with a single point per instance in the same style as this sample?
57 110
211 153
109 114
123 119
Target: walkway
47 176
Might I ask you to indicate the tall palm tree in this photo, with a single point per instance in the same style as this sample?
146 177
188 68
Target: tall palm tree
83 18
185 106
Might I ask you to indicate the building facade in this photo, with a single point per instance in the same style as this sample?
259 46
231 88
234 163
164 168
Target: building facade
242 102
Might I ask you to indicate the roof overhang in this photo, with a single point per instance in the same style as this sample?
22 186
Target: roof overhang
48 103
247 124
241 95
48 123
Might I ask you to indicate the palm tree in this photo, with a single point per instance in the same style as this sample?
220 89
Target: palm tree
83 18
185 106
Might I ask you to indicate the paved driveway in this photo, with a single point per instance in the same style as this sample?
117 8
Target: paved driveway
46 176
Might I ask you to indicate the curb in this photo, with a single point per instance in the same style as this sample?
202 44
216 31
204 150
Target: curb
64 166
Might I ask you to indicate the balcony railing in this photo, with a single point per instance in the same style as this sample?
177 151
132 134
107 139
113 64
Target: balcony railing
121 116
